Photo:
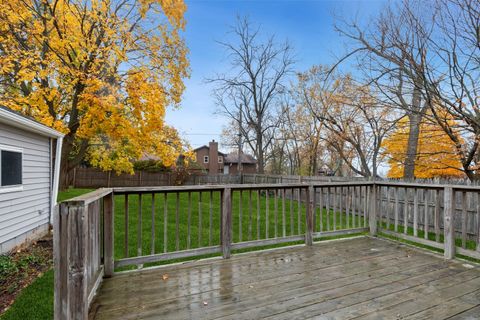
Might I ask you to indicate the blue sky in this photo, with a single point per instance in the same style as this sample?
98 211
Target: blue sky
308 25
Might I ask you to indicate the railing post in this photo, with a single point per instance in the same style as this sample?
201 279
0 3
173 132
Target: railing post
372 216
448 228
77 264
108 234
226 222
309 216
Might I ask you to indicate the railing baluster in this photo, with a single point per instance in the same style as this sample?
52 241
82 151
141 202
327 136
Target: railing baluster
177 221
189 219
210 221
249 214
395 191
200 227
405 211
139 226
267 212
425 218
464 219
365 206
328 207
387 207
240 216
153 225
291 212
299 210
275 199
347 206
320 204
284 224
335 189
354 205
126 225
165 221
340 206
415 212
437 215
258 214
477 207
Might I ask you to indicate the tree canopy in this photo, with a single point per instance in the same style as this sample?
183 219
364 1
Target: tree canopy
101 71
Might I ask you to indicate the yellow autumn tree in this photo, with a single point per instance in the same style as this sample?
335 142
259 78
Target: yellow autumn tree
103 72
436 154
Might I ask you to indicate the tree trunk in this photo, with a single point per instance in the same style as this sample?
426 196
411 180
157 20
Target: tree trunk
412 145
260 159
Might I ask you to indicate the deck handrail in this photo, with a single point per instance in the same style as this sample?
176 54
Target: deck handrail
247 216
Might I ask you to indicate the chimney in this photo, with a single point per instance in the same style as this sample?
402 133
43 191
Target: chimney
213 157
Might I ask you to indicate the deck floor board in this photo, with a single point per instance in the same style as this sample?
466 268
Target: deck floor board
359 278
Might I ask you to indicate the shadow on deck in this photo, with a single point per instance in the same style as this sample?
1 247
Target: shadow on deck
364 278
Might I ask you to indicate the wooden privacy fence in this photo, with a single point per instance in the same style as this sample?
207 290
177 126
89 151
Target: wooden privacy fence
154 224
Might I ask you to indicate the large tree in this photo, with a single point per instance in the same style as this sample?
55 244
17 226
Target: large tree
259 67
101 71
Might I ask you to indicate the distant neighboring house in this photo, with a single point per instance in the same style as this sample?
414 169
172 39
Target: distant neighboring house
29 175
249 163
215 162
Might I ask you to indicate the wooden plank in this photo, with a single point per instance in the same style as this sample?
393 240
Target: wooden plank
354 206
291 212
320 204
126 226
449 232
477 206
226 222
60 240
425 242
109 236
340 206
267 213
299 210
326 234
275 214
366 205
89 197
167 256
327 202
334 206
468 253
266 242
387 207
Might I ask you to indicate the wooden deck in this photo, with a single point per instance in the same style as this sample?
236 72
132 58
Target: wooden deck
361 278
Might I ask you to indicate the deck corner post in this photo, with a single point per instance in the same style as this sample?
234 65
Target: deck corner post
372 216
309 216
448 220
108 235
226 222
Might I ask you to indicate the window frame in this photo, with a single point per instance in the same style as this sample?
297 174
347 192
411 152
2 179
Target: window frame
220 159
206 159
12 188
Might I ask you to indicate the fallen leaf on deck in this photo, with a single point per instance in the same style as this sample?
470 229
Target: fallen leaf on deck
205 303
165 276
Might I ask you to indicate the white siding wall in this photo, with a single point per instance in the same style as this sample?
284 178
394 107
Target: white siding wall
26 213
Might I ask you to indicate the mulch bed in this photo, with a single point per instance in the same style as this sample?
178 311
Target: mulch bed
20 268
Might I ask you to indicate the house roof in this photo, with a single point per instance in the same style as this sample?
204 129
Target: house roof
18 120
207 147
244 158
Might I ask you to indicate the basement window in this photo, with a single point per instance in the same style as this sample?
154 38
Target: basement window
11 167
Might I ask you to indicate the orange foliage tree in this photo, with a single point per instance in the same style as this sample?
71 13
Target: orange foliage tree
436 154
101 71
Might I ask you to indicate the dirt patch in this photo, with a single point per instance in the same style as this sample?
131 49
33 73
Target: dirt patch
20 268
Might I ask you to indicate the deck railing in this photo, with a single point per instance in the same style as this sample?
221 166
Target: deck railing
114 229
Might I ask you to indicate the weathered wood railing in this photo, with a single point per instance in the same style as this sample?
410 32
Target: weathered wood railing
93 237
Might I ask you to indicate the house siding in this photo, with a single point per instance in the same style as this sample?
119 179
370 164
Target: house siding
26 213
